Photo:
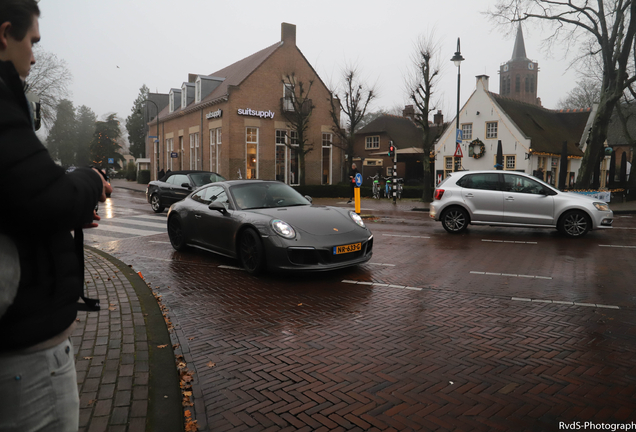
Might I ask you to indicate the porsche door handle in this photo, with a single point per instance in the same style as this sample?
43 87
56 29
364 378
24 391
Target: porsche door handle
197 216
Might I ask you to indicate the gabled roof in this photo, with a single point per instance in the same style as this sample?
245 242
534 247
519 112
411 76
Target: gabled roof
547 129
233 75
402 130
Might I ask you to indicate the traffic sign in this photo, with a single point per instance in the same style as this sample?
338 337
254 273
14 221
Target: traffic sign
111 160
174 155
358 179
459 136
458 151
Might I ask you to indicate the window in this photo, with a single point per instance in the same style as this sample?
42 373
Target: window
211 194
294 169
197 90
184 96
515 183
326 157
194 151
281 156
372 143
218 150
448 165
251 162
517 84
467 131
169 150
171 102
288 97
181 154
213 150
510 162
480 181
491 130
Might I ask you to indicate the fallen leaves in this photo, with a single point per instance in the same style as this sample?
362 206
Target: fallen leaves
210 364
162 346
190 425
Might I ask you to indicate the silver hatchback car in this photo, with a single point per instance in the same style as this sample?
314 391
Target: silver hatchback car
514 199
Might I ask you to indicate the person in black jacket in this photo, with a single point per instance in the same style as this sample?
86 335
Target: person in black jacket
42 205
352 181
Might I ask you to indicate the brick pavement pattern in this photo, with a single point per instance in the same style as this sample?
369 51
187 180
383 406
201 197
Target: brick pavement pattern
111 353
307 353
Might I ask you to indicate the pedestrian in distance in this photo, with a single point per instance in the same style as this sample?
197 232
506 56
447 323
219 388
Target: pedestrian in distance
161 174
352 181
43 277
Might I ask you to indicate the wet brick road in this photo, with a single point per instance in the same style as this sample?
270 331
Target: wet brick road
438 332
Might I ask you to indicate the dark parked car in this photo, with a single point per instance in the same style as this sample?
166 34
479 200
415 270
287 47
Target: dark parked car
268 225
177 185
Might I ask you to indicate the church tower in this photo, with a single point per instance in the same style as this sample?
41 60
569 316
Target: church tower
518 77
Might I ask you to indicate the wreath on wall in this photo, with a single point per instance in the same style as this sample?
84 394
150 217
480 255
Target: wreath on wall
482 148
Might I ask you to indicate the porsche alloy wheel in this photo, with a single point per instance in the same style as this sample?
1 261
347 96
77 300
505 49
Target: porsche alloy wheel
175 232
251 252
155 203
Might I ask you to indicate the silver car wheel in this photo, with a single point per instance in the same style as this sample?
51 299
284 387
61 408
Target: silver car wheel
575 224
455 220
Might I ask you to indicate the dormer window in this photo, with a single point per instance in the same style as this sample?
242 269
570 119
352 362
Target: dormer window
184 96
197 90
171 101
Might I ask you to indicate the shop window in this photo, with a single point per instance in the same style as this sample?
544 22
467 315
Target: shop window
294 168
194 151
281 155
251 141
213 159
326 157
510 162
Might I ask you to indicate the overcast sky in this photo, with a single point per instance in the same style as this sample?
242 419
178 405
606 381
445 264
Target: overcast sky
113 47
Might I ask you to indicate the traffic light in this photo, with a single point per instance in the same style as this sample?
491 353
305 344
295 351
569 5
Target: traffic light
391 150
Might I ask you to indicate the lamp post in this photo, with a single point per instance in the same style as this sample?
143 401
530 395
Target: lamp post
157 137
457 60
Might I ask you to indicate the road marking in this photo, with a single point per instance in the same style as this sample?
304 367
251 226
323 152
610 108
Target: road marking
408 236
162 242
622 228
381 264
510 275
115 221
564 303
378 284
231 267
618 246
507 241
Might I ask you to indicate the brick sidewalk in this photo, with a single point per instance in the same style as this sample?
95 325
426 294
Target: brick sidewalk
113 355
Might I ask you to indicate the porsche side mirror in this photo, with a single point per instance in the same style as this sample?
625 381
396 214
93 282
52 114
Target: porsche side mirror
218 206
308 198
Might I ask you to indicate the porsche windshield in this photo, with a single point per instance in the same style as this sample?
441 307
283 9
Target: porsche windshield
266 195
204 178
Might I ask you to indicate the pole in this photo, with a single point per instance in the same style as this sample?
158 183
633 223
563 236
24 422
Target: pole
395 175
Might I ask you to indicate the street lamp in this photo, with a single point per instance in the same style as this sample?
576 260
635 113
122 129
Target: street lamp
157 137
457 60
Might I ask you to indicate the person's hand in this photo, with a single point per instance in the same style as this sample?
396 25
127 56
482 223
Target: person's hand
107 189
95 218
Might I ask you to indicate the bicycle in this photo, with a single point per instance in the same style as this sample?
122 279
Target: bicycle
388 190
376 186
400 187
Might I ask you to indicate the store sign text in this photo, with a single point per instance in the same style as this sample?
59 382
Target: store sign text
214 114
254 113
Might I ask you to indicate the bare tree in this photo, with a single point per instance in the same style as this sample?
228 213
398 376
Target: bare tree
605 30
586 93
351 98
297 108
426 67
49 79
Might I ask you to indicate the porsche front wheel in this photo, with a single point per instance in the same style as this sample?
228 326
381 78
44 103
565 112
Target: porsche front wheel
251 252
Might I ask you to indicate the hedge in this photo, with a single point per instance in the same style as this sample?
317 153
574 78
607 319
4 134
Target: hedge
143 177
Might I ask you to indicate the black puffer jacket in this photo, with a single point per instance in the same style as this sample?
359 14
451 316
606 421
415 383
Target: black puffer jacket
41 205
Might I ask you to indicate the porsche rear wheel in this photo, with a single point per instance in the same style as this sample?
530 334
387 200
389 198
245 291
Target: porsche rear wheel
155 203
175 232
251 252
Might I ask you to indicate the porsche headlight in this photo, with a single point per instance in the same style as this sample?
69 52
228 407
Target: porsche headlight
601 206
356 218
283 229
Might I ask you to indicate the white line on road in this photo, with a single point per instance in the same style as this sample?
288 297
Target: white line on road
381 285
564 303
508 241
408 236
114 222
162 242
617 246
381 264
510 275
123 230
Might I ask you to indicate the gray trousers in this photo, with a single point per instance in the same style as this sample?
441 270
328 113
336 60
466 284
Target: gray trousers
38 391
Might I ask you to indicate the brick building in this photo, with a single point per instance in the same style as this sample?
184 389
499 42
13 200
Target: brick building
233 121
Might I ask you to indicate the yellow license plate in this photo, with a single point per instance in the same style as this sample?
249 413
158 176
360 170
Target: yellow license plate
337 250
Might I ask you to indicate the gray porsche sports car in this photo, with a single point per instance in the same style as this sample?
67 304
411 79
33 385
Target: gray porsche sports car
268 225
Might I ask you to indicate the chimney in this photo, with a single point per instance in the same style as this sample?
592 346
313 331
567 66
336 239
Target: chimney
483 79
409 112
438 118
288 33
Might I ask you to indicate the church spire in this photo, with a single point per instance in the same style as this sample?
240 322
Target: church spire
519 53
